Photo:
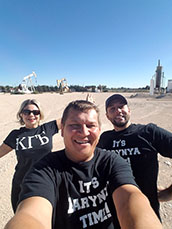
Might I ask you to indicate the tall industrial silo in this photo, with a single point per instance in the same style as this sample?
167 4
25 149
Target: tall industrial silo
158 76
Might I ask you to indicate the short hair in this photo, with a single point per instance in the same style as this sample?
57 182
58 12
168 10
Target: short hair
24 104
82 106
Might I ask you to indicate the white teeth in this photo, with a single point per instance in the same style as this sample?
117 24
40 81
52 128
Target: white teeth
82 142
119 117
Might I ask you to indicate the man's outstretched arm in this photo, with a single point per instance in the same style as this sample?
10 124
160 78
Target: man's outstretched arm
133 209
32 213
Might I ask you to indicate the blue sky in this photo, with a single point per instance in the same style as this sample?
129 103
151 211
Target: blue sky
116 43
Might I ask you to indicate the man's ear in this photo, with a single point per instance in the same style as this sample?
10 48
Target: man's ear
129 110
62 128
107 116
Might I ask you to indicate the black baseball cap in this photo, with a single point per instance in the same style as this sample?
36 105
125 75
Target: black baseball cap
115 97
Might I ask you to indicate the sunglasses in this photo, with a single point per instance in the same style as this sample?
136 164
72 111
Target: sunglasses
28 112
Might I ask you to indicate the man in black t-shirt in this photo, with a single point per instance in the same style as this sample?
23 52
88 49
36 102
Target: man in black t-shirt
79 186
137 144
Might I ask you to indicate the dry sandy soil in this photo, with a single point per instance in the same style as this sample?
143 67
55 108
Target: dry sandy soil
144 109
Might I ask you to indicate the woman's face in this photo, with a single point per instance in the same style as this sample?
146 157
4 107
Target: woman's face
31 116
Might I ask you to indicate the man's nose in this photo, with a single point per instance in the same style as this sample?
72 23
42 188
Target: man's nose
118 109
84 130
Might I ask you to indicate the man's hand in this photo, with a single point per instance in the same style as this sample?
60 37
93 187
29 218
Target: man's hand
165 194
89 98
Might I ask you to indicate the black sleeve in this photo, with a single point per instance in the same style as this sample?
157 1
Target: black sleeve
52 125
10 140
162 140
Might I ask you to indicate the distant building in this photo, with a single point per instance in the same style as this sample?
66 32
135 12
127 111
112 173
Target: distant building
169 86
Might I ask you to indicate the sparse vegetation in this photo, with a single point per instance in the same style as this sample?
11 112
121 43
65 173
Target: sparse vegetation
74 88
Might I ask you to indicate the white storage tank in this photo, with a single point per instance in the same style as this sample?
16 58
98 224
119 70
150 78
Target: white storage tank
169 86
151 92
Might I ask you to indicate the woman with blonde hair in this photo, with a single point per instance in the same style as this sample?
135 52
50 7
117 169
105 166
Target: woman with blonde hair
31 142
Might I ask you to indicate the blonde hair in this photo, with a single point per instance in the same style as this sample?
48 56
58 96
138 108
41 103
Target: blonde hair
24 104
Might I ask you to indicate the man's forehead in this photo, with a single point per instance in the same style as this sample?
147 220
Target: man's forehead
73 113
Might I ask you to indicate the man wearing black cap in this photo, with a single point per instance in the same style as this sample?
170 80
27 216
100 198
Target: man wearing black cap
118 102
138 144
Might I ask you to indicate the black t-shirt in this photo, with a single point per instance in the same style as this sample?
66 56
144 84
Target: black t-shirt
80 193
30 146
139 145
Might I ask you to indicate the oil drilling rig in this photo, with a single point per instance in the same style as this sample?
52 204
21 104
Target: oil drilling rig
62 84
27 85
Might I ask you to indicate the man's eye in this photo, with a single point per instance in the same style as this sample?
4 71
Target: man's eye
91 126
112 109
75 126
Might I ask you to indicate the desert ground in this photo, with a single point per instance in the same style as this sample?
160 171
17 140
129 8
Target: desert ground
144 109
